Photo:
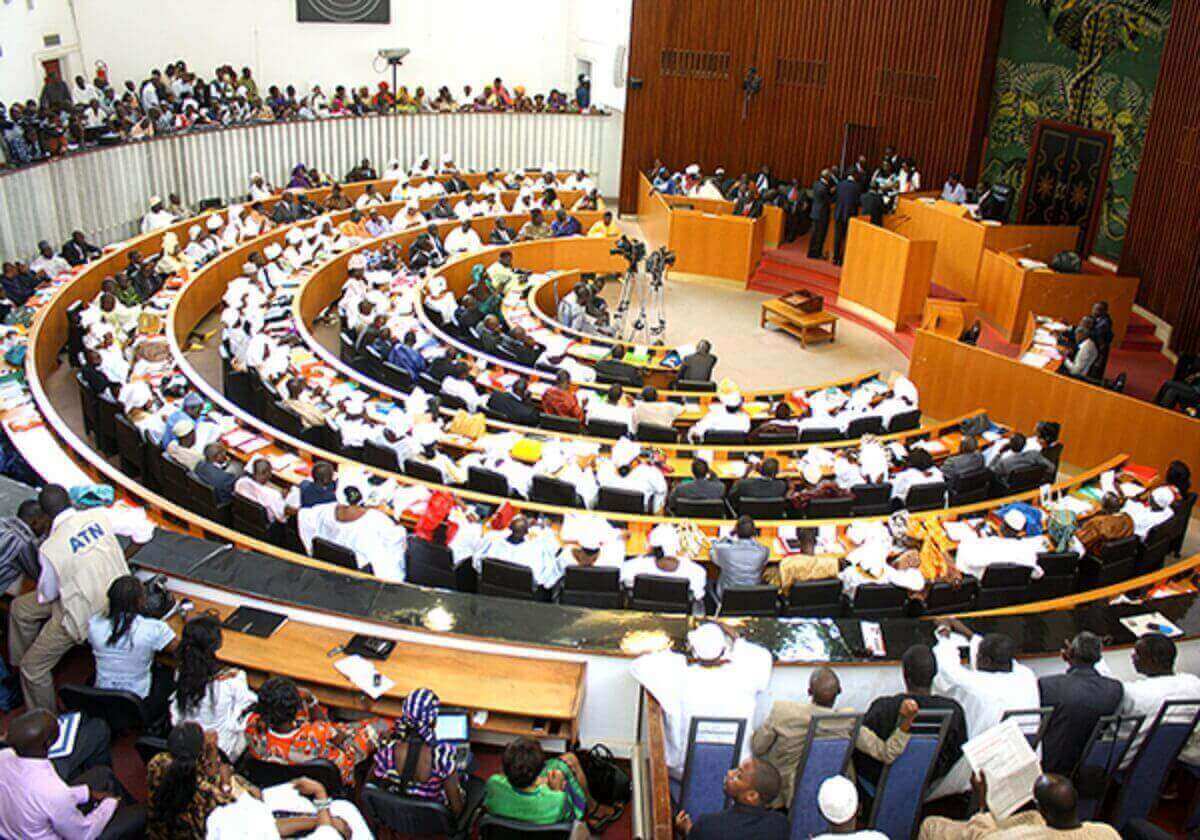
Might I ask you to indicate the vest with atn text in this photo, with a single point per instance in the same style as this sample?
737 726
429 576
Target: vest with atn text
87 557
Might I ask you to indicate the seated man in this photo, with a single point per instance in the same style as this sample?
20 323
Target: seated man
256 485
182 449
837 799
36 802
703 485
1017 456
664 560
565 225
782 736
698 366
321 489
768 484
1154 660
740 557
215 471
1055 814
649 409
1078 699
1155 511
968 461
724 415
918 471
515 406
752 786
1111 523
559 400
1086 354
311 415
610 407
614 369
405 355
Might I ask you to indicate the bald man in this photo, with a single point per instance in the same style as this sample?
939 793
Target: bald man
780 739
1055 815
36 803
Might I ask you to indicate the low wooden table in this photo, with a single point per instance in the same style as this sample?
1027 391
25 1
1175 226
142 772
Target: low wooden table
809 327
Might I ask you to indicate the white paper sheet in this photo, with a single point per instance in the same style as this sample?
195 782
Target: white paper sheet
1009 766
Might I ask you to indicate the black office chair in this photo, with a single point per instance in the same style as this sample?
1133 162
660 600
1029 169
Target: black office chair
502 579
926 497
397 377
88 404
331 552
970 488
607 429
451 402
829 508
879 600
653 433
820 435
270 773
148 746
622 501
346 351
494 828
1156 547
173 478
247 516
204 501
872 499
280 418
700 508
236 385
1053 454
429 564
428 383
948 598
554 423
814 599
483 480
771 507
588 586
553 491
660 594
383 457
749 601
408 816
123 711
1113 562
697 386
1183 515
131 448
1020 480
1002 585
905 421
724 438
106 426
1060 571
423 472
864 426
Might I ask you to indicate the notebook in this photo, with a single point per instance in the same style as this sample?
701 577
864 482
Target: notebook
254 622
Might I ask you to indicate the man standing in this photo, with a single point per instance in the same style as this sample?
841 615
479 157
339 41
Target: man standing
752 786
1079 698
847 196
80 558
19 536
822 205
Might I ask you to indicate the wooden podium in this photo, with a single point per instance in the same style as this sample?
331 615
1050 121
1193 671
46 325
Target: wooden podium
1009 292
885 273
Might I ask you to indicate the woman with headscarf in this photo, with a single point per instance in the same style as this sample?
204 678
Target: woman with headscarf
300 179
413 762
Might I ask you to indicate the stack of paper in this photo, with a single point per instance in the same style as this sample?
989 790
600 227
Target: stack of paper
1008 764
362 673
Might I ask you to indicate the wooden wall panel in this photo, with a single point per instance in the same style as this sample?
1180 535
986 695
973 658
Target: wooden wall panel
1162 245
919 71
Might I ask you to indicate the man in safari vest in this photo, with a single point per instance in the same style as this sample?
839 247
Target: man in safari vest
80 557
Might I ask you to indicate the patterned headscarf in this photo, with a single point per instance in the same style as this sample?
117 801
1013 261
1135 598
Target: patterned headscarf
420 714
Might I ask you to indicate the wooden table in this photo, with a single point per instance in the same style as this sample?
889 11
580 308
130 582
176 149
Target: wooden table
809 327
538 698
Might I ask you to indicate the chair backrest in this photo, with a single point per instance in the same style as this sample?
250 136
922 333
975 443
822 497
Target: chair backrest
148 746
248 516
204 500
492 827
88 403
1060 570
1024 478
130 445
700 508
904 421
397 377
331 552
724 438
659 593
829 508
1033 722
606 428
947 597
1005 575
714 747
815 598
406 814
383 457
879 600
828 746
700 386
903 783
1053 454
770 507
1115 551
820 435
554 491
864 426
926 497
483 480
872 499
654 433
622 501
428 564
1170 731
1101 758
591 586
1157 546
270 773
560 424
282 418
506 580
776 436
121 710
422 471
971 482
749 600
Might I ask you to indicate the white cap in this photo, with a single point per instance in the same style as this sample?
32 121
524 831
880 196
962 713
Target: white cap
183 426
399 423
254 175
708 642
624 451
154 200
358 261
194 232
592 534
731 399
1015 519
355 406
838 800
427 434
294 235
214 221
693 169
812 473
1162 496
273 251
312 232
135 394
665 537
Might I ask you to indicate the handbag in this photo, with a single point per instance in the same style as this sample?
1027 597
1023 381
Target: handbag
159 601
608 781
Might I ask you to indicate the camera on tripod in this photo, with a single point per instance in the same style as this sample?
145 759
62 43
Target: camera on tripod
633 250
657 262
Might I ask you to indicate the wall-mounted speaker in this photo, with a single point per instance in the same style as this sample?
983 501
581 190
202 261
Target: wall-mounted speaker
635 83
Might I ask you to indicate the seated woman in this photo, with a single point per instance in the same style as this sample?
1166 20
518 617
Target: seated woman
194 795
413 762
125 642
543 791
207 692
289 727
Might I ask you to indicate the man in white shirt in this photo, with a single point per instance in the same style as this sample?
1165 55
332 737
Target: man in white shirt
620 472
256 486
1146 515
469 208
536 549
953 191
463 239
610 407
664 561
992 684
723 678
723 416
47 262
158 217
1154 659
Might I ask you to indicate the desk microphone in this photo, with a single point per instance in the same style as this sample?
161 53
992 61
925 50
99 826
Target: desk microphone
1024 247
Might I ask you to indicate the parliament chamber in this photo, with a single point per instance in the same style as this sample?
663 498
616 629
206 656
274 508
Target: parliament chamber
704 446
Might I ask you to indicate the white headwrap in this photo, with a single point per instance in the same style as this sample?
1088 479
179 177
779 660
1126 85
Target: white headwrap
708 642
624 451
665 537
838 800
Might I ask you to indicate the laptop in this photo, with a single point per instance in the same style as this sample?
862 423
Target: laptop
454 728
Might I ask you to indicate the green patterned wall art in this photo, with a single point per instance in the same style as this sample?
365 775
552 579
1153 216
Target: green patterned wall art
1091 63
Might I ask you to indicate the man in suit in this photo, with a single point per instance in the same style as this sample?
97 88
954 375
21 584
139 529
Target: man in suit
698 366
749 203
873 206
613 369
968 461
847 198
1079 698
77 250
766 485
515 407
217 472
1102 334
822 205
704 485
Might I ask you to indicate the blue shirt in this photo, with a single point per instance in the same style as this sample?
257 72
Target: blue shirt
407 358
569 227
125 666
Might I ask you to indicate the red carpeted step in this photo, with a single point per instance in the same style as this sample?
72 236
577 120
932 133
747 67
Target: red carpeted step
1142 345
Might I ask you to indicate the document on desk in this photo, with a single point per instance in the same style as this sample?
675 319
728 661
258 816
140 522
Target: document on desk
1009 765
365 677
